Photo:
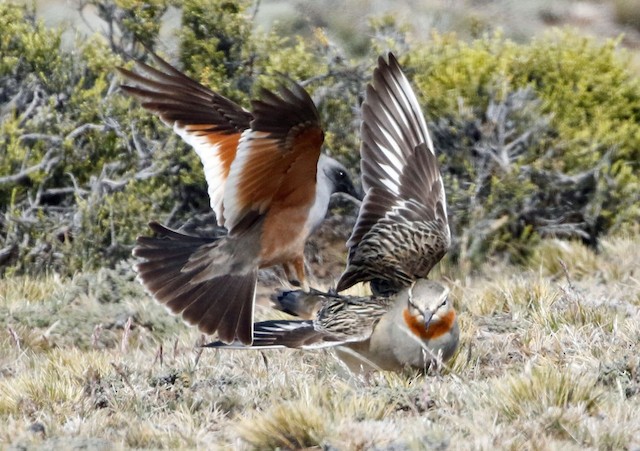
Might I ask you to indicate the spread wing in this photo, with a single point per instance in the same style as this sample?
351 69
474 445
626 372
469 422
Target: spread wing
341 320
402 229
209 122
277 158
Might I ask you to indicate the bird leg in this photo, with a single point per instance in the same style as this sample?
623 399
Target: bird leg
294 270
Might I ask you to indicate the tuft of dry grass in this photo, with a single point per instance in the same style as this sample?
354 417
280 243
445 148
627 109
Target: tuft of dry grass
287 425
545 388
20 289
547 360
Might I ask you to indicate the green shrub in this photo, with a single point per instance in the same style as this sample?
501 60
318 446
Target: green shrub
217 46
69 162
564 164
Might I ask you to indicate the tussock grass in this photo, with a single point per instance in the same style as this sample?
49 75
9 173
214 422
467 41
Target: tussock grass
288 425
543 389
548 360
54 380
550 255
22 289
610 264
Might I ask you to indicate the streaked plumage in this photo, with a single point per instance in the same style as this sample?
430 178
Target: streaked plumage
401 233
410 329
402 229
261 169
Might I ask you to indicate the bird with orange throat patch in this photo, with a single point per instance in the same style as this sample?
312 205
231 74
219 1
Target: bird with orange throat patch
268 184
402 231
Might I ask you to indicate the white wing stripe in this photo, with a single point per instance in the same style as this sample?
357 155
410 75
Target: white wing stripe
411 103
249 144
212 167
391 121
395 154
392 186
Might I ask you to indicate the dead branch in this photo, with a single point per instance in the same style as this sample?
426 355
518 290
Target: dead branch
32 106
54 139
86 127
47 162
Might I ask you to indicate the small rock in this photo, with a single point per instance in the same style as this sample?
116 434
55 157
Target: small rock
38 428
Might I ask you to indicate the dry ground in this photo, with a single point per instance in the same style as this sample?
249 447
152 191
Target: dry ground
549 360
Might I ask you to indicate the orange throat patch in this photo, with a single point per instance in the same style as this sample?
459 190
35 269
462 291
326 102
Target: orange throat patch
436 328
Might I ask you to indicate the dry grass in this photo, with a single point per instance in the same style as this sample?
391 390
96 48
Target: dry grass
548 360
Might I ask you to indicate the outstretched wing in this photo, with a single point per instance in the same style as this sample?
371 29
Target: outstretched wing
217 302
341 320
209 122
402 229
278 334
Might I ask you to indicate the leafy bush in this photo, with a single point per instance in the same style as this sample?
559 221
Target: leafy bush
73 195
537 139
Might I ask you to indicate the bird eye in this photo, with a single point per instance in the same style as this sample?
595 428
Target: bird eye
444 302
341 173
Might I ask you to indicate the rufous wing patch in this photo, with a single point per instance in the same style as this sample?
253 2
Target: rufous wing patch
217 150
298 185
227 151
277 159
261 175
266 174
284 231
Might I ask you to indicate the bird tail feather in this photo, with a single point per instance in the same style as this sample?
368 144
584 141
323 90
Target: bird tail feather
215 302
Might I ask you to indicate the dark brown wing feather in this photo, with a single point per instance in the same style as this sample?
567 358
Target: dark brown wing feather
402 229
176 98
209 122
222 303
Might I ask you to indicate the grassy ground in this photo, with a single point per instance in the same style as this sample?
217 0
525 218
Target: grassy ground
549 360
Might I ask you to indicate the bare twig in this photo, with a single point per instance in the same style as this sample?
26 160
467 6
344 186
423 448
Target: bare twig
54 139
47 162
199 349
566 274
159 356
123 375
81 6
125 335
32 106
95 336
15 339
84 128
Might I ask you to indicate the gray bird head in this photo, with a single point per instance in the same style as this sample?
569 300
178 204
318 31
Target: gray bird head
332 178
429 301
336 176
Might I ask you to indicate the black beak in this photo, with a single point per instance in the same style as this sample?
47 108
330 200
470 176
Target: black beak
346 186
